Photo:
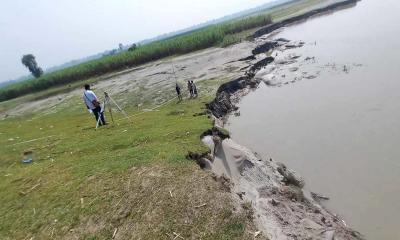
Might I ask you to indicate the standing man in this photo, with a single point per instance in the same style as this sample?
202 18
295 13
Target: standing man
93 104
194 89
178 91
190 88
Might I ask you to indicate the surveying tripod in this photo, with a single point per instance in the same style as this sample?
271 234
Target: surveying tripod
107 103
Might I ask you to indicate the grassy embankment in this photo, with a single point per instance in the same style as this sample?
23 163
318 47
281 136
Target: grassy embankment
129 177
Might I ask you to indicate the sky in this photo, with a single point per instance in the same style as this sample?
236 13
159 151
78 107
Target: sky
63 30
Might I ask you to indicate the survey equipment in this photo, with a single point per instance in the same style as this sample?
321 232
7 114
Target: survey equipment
107 105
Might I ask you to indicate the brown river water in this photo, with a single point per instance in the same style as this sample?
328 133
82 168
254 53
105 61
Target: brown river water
340 130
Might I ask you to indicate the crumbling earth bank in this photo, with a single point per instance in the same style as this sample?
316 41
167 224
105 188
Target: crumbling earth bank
283 209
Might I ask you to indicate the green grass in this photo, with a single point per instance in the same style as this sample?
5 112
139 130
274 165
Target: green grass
123 173
230 40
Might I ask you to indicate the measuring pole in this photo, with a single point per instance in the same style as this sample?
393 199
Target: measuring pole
101 111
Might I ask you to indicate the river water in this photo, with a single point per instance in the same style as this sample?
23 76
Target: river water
340 130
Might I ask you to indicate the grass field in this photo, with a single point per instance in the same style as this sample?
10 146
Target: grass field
129 177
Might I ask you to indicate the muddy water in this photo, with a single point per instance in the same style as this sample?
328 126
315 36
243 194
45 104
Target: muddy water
340 130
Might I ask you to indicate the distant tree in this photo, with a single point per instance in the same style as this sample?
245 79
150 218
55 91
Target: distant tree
121 47
30 62
133 47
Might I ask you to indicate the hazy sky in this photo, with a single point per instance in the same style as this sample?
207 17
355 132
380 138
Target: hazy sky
57 31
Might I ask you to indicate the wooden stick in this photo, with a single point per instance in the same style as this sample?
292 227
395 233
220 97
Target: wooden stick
115 233
92 201
177 235
11 165
202 205
116 205
30 190
168 134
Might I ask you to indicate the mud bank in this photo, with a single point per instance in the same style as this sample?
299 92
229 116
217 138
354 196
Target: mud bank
283 209
222 104
279 205
272 27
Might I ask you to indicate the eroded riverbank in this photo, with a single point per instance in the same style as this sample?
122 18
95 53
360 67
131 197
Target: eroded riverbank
332 114
283 208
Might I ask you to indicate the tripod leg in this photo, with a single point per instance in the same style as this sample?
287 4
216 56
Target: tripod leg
120 109
110 111
101 112
98 120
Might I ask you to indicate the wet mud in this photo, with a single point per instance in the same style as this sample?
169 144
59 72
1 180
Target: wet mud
272 27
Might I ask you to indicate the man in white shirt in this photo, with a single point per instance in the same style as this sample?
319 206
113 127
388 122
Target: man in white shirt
93 104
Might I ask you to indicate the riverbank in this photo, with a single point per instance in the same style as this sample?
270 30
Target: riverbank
338 127
222 104
282 206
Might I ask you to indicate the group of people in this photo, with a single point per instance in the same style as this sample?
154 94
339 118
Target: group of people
192 88
93 105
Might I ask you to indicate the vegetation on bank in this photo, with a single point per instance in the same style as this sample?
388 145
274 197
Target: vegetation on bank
220 34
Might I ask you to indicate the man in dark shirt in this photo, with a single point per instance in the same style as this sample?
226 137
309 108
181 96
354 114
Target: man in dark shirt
178 91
